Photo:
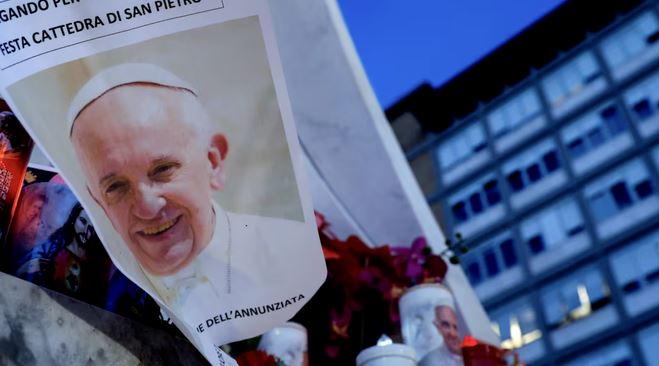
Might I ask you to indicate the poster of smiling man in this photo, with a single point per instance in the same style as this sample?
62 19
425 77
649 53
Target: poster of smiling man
183 152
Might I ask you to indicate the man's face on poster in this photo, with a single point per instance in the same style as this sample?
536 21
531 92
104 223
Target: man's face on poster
152 166
447 324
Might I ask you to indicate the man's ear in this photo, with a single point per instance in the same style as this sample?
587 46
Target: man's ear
217 153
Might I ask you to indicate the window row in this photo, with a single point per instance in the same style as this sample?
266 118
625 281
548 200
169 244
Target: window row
517 326
550 238
533 175
576 81
578 305
588 133
622 198
635 267
475 199
531 166
574 309
496 256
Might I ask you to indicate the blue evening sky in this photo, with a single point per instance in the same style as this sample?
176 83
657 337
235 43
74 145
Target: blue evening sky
404 43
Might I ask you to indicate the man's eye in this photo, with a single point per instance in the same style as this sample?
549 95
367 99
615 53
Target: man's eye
163 171
115 187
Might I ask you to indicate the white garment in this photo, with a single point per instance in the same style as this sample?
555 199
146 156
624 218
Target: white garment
441 356
251 262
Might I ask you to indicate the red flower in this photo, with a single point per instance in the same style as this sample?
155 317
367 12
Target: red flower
256 358
365 282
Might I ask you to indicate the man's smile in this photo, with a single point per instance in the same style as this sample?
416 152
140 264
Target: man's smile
160 228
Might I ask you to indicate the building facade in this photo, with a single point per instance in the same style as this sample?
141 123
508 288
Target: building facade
550 171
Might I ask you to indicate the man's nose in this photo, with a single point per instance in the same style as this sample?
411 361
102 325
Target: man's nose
148 202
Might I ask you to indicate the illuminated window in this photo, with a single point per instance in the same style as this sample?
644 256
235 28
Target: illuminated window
575 297
516 324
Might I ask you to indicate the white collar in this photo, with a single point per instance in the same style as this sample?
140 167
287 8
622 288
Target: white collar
218 251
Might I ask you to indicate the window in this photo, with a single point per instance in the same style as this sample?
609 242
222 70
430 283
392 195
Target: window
551 161
516 324
492 194
575 297
649 339
508 251
595 137
593 130
475 202
536 244
615 122
474 273
461 146
491 258
513 113
459 212
642 100
552 226
515 180
534 173
531 166
636 266
630 44
475 199
577 147
491 263
618 191
570 80
618 354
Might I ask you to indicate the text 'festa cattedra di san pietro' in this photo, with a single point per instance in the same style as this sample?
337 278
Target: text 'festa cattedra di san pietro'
41 36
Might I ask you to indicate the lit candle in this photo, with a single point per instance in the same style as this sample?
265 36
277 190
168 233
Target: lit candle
387 353
288 343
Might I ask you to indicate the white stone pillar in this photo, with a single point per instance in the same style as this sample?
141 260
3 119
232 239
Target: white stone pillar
350 144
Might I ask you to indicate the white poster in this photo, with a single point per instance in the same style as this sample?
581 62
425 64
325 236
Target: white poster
171 122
